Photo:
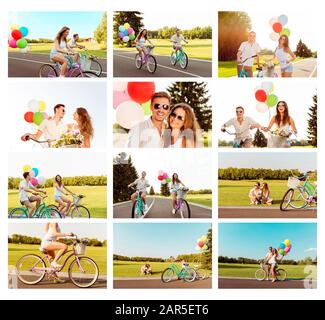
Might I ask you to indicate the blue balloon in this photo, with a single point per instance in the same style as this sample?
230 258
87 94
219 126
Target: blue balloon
126 33
282 245
35 171
283 19
121 28
24 31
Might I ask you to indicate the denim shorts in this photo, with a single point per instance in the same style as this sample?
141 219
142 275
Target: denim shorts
287 68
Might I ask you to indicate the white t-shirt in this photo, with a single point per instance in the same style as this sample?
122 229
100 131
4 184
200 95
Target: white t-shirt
177 39
51 129
248 50
23 195
72 43
243 129
141 184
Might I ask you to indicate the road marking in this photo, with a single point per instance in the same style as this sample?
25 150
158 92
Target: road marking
153 201
312 73
266 208
200 206
160 65
241 278
120 203
136 278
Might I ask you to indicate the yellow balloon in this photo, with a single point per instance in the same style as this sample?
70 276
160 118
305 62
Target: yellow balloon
204 238
14 27
287 242
41 105
27 168
126 26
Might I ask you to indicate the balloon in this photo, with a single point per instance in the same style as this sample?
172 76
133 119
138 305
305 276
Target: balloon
141 91
121 35
286 249
35 172
285 32
260 95
41 105
126 26
205 247
16 34
126 39
119 97
13 43
32 173
271 100
169 180
45 115
204 238
197 248
132 36
277 27
126 33
146 107
165 175
160 178
200 244
24 31
38 117
163 181
281 251
34 182
120 86
41 180
160 172
33 105
28 116
283 19
282 245
273 21
14 27
267 86
130 30
22 43
128 114
27 168
287 242
274 36
121 28
261 107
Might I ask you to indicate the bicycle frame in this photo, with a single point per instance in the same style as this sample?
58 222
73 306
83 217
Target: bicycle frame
140 204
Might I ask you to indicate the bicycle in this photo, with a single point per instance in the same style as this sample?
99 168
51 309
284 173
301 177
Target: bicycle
243 73
298 196
263 272
89 62
267 70
181 56
282 133
77 210
187 274
82 270
54 143
237 143
74 70
138 206
201 273
149 60
43 211
182 205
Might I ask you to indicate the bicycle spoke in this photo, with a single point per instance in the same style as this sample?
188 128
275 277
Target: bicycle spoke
83 272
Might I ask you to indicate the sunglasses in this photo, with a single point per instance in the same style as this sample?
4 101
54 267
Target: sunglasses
174 115
158 106
239 111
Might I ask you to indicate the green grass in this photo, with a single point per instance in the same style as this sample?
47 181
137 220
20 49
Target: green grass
98 254
198 48
248 270
203 199
95 199
132 269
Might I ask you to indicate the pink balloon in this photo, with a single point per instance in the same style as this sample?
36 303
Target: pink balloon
46 116
262 107
165 175
130 31
119 97
286 249
34 182
13 43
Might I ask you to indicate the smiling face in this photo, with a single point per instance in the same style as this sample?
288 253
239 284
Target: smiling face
252 37
66 33
60 112
239 112
143 174
281 107
177 118
160 107
75 116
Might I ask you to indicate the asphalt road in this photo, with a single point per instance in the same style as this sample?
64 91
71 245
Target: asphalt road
157 283
124 66
160 208
265 213
229 283
28 64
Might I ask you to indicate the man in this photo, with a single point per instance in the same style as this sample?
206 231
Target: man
73 43
141 186
149 133
51 129
242 126
266 261
26 187
246 52
177 39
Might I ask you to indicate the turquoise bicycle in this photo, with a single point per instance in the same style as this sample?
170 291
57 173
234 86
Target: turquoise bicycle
138 206
179 56
175 273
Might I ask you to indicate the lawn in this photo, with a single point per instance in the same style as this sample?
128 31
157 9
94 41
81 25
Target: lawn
132 269
248 270
98 254
95 199
198 48
203 199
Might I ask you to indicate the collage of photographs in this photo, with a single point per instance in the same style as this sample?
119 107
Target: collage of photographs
155 171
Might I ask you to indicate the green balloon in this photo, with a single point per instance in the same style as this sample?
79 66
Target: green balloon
21 43
146 108
168 179
285 32
38 117
271 100
131 36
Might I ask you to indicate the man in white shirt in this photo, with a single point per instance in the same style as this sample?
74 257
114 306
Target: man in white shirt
266 261
141 186
246 53
25 187
73 43
149 133
177 39
50 129
242 126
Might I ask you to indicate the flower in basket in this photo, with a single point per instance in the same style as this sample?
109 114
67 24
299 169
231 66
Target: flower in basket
69 139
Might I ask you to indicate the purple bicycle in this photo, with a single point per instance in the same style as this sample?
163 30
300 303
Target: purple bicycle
149 60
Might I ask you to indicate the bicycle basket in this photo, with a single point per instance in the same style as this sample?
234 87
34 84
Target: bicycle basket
293 182
76 200
181 194
85 62
80 248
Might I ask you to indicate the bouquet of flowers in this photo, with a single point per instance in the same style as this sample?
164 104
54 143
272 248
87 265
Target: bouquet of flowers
69 140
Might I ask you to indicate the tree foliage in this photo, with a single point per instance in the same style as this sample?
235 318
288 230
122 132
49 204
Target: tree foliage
302 50
312 123
100 33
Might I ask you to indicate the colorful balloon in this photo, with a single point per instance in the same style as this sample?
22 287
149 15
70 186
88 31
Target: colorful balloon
160 172
33 105
277 27
165 175
13 43
261 107
14 27
282 245
121 28
274 36
126 25
204 238
27 168
271 100
205 247
32 173
16 34
46 116
160 178
128 114
281 251
41 180
22 43
38 117
130 30
283 19
41 105
119 97
286 242
200 243
260 95
285 32
34 182
147 108
35 172
169 180
132 36
141 91
267 86
273 21
24 31
126 39
28 116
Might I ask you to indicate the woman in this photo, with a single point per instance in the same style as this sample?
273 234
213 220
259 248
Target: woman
285 56
140 42
255 194
50 244
281 123
64 203
61 49
175 185
182 128
273 263
266 195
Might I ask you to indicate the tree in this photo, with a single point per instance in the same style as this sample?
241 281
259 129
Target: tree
233 30
207 255
197 96
100 33
259 139
152 191
165 190
312 123
302 50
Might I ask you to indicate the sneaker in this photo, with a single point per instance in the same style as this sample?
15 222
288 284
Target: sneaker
273 280
55 265
173 211
145 209
267 279
58 280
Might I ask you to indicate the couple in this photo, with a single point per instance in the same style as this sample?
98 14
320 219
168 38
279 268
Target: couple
250 49
167 127
53 128
258 195
280 127
271 262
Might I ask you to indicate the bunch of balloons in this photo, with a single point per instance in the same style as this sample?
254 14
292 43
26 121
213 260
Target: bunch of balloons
36 112
33 172
265 98
126 33
285 247
131 101
163 177
202 244
17 36
277 27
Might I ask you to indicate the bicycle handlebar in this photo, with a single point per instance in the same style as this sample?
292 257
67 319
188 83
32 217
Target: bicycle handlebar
242 61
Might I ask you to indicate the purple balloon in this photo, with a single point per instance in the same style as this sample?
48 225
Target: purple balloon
121 35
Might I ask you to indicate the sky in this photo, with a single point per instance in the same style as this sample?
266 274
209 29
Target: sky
74 95
193 168
47 24
303 161
56 162
251 240
297 94
82 230
159 240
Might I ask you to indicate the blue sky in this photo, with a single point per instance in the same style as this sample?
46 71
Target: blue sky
157 239
251 240
47 24
303 161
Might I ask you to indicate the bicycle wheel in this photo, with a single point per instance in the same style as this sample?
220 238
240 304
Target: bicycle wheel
286 199
260 274
87 74
201 274
281 274
185 210
18 213
151 64
137 212
138 61
167 275
173 58
30 269
299 198
83 272
183 62
80 212
50 213
47 71
190 275
96 67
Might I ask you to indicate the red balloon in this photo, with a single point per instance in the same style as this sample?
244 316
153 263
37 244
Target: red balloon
260 95
141 92
28 116
16 34
277 27
200 244
160 178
